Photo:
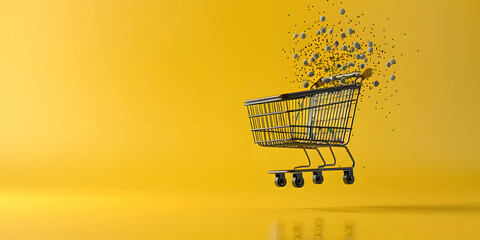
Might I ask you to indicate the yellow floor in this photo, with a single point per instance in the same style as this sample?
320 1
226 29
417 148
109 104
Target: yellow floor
96 216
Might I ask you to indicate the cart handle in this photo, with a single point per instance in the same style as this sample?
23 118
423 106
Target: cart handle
366 74
347 75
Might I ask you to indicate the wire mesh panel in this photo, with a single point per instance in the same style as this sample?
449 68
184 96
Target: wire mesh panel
305 119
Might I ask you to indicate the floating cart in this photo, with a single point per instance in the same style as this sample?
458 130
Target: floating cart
308 120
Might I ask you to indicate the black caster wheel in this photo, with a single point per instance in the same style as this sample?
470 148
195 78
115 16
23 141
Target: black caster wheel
348 177
318 177
297 180
280 180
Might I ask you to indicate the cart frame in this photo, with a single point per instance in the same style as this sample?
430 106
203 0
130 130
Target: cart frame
326 120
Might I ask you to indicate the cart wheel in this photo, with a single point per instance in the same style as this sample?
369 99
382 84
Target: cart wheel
348 177
318 177
297 180
280 180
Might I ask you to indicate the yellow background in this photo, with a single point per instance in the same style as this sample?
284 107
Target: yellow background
122 118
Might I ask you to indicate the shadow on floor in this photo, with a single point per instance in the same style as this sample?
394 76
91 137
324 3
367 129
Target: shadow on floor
402 208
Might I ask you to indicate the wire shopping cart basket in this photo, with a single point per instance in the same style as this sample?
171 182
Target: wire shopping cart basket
308 120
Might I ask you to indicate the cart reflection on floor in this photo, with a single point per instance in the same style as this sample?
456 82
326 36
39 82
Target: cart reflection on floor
304 230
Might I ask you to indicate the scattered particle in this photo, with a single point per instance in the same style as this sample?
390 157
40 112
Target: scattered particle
303 35
334 59
356 45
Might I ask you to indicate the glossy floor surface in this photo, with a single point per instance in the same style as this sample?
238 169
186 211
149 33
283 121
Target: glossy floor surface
96 217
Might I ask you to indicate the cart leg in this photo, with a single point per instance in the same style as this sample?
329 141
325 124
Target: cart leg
350 154
309 162
323 159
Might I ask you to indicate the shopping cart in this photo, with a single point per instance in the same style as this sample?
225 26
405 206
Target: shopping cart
308 120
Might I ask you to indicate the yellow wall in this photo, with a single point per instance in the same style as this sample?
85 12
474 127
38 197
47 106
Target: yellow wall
123 97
